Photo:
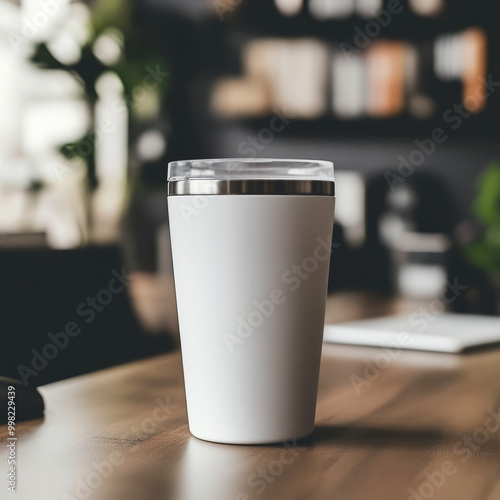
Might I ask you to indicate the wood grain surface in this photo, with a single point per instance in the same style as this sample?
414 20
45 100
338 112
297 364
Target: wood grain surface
417 423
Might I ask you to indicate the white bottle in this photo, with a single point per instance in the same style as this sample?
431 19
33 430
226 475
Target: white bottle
251 261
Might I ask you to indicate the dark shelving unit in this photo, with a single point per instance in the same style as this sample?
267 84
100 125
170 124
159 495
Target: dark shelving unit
260 19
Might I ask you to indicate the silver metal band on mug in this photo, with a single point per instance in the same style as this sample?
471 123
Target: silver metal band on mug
251 186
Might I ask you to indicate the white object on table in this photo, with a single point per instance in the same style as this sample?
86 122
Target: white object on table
447 332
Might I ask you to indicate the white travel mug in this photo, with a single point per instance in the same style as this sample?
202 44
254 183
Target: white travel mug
251 244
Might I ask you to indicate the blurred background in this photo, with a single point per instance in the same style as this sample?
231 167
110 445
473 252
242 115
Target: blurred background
97 96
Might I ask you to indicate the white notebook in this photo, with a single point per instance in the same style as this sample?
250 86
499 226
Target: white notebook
452 333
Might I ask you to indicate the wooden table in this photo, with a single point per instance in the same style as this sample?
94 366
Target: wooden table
415 424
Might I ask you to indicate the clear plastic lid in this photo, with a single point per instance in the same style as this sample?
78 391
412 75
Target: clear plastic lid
250 169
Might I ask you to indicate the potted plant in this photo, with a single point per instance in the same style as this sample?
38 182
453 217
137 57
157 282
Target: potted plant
484 251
